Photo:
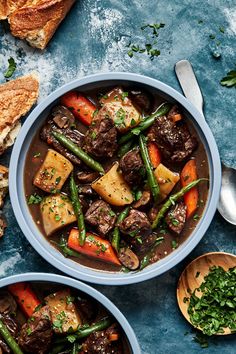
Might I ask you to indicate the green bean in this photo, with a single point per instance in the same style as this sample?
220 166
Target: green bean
78 210
75 349
152 182
146 259
57 349
65 249
88 160
124 148
85 332
172 199
116 233
6 335
146 123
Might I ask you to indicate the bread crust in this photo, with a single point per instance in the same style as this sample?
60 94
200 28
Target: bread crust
9 6
16 99
37 22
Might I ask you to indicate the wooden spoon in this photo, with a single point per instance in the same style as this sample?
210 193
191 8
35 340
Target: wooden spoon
193 275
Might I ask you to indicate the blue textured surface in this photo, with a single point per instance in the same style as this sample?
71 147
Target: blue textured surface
92 39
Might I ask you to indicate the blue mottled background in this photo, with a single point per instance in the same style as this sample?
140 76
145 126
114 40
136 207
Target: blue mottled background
93 39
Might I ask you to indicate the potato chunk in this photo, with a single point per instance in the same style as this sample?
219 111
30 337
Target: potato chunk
113 188
64 314
120 109
53 172
57 211
166 179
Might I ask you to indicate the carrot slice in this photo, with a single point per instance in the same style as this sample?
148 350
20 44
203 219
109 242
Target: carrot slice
25 297
188 175
94 246
154 154
113 337
80 106
176 117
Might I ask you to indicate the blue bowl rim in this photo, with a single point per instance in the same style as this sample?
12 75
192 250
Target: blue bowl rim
95 294
110 278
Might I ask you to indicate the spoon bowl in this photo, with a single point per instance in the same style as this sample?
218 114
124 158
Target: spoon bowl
227 201
193 276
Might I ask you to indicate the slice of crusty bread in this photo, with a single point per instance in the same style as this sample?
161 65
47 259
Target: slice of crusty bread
9 6
37 20
16 99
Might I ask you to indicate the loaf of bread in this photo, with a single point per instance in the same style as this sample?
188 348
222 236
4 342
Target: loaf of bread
36 20
16 99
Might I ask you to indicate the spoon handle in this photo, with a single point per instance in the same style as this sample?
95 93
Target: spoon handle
188 82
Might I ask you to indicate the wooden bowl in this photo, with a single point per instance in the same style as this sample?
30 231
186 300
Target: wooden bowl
200 266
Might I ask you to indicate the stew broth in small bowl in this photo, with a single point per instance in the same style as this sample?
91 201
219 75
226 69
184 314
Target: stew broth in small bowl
116 178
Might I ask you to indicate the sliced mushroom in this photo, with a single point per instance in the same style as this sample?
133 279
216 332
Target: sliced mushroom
7 303
144 200
86 189
128 258
87 177
63 117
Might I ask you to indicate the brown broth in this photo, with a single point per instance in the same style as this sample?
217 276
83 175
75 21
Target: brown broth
165 248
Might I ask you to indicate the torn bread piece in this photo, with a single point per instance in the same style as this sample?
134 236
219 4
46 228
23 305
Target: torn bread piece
16 99
9 6
3 193
37 20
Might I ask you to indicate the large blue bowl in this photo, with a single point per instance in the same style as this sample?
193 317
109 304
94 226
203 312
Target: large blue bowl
96 295
27 224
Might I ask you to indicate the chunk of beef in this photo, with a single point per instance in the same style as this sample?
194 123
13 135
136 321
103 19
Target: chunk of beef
36 335
101 216
176 217
132 168
101 137
173 139
73 134
137 226
12 326
87 309
141 99
7 303
99 343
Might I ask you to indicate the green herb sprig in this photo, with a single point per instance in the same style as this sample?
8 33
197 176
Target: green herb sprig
230 79
11 68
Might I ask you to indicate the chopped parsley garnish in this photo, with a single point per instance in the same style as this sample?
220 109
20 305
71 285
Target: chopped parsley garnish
57 217
230 79
37 154
216 308
58 179
196 217
111 213
221 29
120 118
11 68
93 135
174 244
34 199
124 95
212 36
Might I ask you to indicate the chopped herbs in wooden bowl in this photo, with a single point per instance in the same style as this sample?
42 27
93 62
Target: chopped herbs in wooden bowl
207 293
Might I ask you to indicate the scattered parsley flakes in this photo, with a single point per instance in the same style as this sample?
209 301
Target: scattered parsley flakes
149 47
221 29
174 244
11 68
37 154
230 79
34 199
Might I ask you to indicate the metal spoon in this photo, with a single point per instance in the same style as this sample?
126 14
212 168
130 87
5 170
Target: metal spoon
193 276
191 89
